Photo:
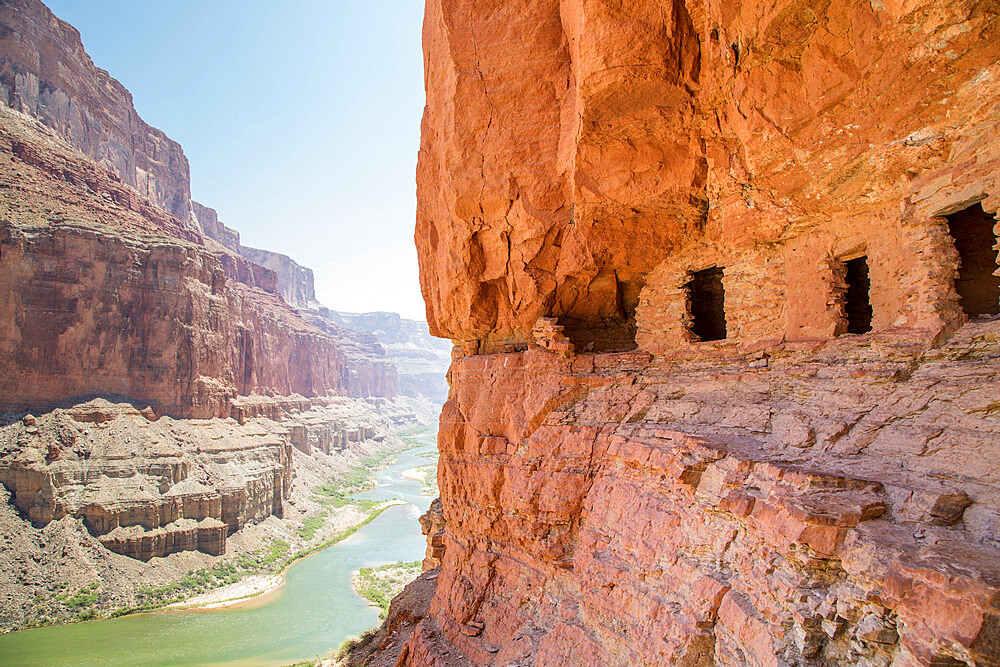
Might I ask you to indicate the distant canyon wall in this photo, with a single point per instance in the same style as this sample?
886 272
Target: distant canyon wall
294 282
421 359
44 71
203 479
114 286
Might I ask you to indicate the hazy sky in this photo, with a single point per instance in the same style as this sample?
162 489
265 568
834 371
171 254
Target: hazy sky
301 121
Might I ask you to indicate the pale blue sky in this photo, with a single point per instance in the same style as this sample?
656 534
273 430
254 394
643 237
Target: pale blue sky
301 121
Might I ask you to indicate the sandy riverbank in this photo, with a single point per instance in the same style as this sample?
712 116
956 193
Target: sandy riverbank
237 593
416 474
258 586
426 475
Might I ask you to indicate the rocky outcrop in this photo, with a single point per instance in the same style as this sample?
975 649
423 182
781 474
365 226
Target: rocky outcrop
293 281
45 72
147 487
207 535
214 229
726 370
730 513
113 288
432 525
603 147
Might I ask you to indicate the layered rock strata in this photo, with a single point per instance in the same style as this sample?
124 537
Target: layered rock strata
720 512
726 373
45 72
108 297
145 488
115 287
148 487
421 360
295 282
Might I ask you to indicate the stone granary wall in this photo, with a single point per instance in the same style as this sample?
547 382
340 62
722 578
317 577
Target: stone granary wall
722 282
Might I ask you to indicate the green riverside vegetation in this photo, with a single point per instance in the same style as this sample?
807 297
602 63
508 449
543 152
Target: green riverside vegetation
272 558
336 492
381 584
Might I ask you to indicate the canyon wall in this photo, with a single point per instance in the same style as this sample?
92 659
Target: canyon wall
44 71
294 281
104 302
215 229
114 286
147 487
723 287
421 360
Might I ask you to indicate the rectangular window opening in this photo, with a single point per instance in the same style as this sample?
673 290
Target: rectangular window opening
857 301
977 285
707 304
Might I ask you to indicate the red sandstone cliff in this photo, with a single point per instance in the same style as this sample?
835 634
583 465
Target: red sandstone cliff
112 287
294 281
759 426
44 71
107 298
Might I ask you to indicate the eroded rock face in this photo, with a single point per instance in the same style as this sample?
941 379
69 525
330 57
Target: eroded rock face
114 286
420 359
570 148
147 487
45 71
293 281
215 229
791 456
644 512
108 295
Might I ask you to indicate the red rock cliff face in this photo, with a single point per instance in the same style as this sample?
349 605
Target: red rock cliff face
44 71
294 282
101 301
760 425
112 285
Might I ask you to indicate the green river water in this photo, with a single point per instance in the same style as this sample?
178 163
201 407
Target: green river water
311 615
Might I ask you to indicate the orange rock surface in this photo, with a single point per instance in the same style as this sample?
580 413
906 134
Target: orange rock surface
812 479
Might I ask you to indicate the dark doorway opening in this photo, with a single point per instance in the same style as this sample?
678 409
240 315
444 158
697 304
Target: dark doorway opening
857 301
977 286
707 304
615 329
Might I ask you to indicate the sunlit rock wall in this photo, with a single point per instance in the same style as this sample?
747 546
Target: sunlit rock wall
615 488
104 299
45 71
